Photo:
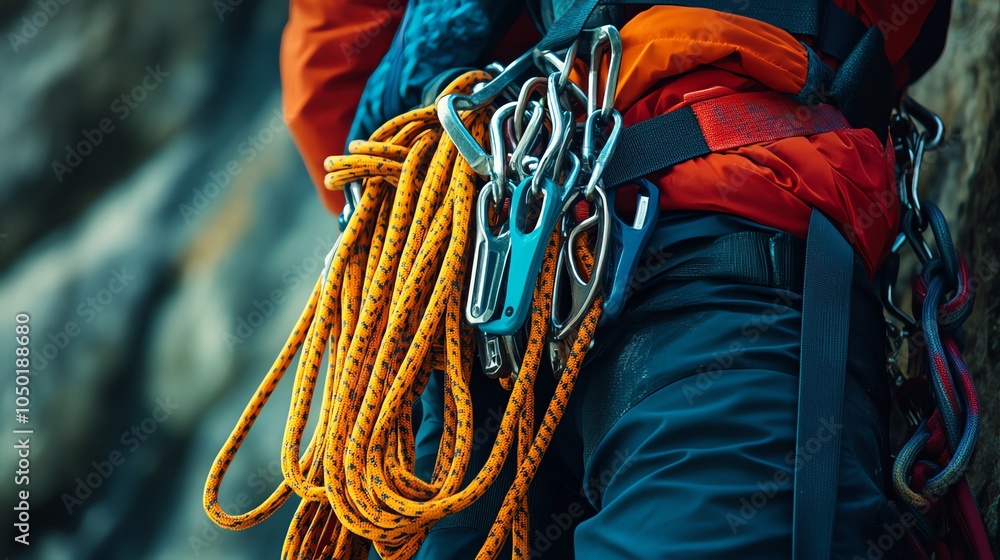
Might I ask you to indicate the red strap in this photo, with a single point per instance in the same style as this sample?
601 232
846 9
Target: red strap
742 119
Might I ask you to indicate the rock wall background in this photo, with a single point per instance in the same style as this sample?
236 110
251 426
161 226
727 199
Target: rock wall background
163 243
963 180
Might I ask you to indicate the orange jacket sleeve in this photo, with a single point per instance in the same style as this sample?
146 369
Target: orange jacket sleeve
328 50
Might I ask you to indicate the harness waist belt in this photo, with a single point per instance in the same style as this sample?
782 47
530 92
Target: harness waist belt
775 260
715 125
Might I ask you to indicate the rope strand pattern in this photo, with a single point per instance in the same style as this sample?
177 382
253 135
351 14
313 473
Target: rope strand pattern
389 312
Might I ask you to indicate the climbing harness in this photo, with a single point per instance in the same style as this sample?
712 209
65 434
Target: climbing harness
390 307
514 172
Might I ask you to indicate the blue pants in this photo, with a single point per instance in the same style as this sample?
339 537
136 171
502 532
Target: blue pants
679 439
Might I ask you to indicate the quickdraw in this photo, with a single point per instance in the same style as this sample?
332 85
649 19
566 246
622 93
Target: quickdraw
390 306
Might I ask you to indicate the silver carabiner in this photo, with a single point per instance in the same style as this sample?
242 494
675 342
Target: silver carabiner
449 106
550 63
559 138
493 357
583 292
559 351
489 264
530 87
598 164
498 152
604 40
519 159
563 67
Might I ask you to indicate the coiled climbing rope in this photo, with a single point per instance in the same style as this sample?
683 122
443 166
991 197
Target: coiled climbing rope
387 312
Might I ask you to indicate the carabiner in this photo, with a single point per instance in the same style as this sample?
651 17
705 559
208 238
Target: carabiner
605 39
489 264
498 152
559 351
607 151
928 119
530 87
449 105
566 68
913 232
628 242
352 197
528 247
500 355
520 158
551 161
583 292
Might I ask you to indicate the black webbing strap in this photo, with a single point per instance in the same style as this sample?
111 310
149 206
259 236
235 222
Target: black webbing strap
826 310
761 258
863 88
836 31
566 27
654 144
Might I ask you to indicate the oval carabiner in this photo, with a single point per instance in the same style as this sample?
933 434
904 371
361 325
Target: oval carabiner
598 164
498 152
604 40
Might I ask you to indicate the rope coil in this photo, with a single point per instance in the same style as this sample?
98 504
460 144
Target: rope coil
389 312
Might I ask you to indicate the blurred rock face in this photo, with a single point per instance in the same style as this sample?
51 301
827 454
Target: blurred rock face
963 180
158 226
160 230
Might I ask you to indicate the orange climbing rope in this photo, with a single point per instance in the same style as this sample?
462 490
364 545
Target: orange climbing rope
387 313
